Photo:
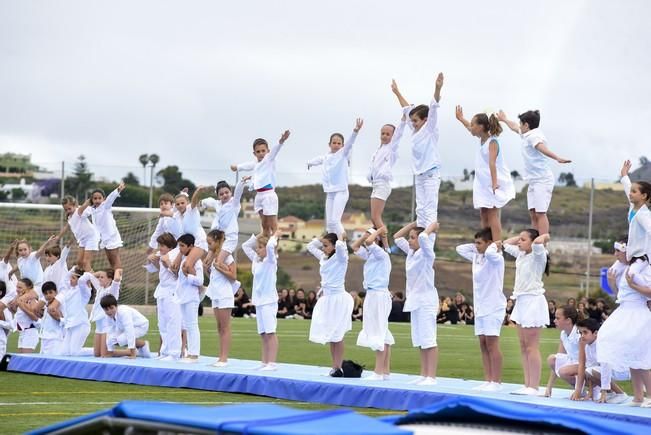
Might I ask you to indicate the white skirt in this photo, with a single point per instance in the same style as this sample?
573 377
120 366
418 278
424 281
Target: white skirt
483 197
375 326
624 341
331 318
531 311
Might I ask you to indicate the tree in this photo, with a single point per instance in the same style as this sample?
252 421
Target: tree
131 179
79 183
567 178
173 180
515 175
144 159
17 194
466 175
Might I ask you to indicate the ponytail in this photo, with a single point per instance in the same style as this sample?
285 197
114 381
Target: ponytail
494 127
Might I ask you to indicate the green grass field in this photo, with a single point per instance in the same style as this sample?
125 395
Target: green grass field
31 401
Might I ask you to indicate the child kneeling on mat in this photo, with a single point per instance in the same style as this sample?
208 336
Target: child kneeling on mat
127 326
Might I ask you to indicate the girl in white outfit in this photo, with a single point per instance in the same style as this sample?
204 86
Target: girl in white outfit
425 158
422 298
492 186
565 362
490 303
261 250
377 303
221 290
189 296
227 209
531 312
102 215
335 177
639 215
332 316
29 263
25 316
189 222
83 229
105 282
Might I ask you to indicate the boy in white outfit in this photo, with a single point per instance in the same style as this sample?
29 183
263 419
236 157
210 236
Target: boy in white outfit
426 161
264 181
166 222
127 327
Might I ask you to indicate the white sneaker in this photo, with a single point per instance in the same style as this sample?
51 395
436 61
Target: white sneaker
259 367
520 391
617 398
168 358
635 404
492 387
530 391
416 380
386 377
374 377
146 352
427 381
246 316
219 364
253 315
481 387
189 360
596 392
269 367
646 403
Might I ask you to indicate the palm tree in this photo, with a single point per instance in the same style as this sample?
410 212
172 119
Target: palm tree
144 159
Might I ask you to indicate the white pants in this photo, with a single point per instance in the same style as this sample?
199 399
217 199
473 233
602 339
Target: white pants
190 324
427 197
335 205
74 339
169 326
121 339
51 346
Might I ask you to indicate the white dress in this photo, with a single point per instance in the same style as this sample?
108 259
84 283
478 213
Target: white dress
332 316
482 190
531 310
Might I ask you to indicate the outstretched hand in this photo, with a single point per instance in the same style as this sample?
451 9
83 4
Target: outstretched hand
284 137
458 111
358 125
501 116
439 81
233 168
626 167
121 186
560 160
394 87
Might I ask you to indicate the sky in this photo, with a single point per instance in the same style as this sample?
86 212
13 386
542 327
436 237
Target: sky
197 81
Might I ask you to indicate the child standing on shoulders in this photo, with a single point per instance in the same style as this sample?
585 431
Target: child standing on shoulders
332 316
261 250
600 377
490 303
264 181
166 222
57 267
102 214
531 312
639 216
425 158
189 222
377 303
335 176
127 327
565 363
422 296
492 186
105 282
536 169
84 231
189 296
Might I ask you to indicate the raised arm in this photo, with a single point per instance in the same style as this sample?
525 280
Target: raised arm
115 194
459 114
511 124
404 231
361 240
341 250
432 228
194 202
467 251
10 251
243 167
394 88
438 87
314 248
82 208
271 247
348 146
625 180
542 239
44 246
540 146
249 248
273 152
317 161
239 189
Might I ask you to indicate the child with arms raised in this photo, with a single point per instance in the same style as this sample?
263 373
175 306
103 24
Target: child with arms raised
84 231
102 214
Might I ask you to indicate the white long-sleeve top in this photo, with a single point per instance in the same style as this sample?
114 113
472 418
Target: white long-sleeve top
30 267
218 281
487 278
641 272
335 166
385 157
264 172
529 269
103 219
226 213
420 288
73 301
167 280
8 323
639 226
332 269
571 343
51 328
81 226
188 286
57 271
425 142
166 224
126 321
377 267
190 223
264 271
10 283
536 164
97 313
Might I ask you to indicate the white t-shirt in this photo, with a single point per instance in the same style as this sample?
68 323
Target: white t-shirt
97 313
187 287
226 214
536 165
10 283
73 301
190 223
529 269
332 269
421 291
377 267
30 267
335 166
51 328
82 228
166 224
103 218
264 172
425 142
571 343
57 271
167 280
385 157
264 271
126 321
487 278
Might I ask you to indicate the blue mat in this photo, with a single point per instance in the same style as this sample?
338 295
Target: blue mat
305 383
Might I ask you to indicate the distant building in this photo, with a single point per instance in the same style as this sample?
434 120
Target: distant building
571 247
17 165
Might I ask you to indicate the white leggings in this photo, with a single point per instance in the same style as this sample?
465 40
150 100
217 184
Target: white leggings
190 314
335 205
74 339
169 326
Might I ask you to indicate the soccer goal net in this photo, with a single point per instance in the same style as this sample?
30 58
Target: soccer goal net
37 222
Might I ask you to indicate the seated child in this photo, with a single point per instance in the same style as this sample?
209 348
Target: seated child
127 326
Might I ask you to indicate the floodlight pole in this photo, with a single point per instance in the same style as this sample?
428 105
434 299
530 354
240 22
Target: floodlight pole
587 272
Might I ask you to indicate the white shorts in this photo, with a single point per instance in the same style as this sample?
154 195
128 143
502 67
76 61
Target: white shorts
90 244
539 196
51 346
28 339
490 324
266 202
423 327
102 326
562 360
114 242
531 311
113 340
225 302
381 189
265 317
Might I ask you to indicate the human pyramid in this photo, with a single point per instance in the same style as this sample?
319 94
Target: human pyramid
50 304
